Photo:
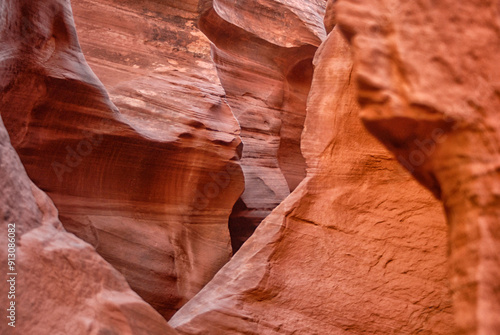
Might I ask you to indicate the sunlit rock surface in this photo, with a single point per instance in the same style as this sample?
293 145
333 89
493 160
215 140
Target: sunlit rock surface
427 77
357 248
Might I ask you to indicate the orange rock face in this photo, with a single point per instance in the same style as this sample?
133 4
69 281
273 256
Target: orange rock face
427 77
150 184
213 117
263 51
357 248
60 284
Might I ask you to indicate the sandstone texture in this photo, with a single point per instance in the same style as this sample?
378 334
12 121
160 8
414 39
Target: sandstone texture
358 248
62 286
263 51
265 167
149 184
427 77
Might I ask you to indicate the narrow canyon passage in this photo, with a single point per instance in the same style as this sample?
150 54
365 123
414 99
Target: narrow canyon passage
262 167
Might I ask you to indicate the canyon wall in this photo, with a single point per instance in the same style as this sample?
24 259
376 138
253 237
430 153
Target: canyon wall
57 284
245 127
263 51
427 78
357 248
150 184
148 53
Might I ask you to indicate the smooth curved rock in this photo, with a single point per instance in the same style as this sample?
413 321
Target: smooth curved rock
263 51
62 286
427 76
151 185
358 248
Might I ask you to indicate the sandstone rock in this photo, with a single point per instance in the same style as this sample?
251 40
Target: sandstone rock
329 20
62 286
357 248
263 51
151 185
427 76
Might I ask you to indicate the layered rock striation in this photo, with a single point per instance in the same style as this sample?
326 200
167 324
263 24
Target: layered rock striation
150 184
217 112
58 284
358 247
263 51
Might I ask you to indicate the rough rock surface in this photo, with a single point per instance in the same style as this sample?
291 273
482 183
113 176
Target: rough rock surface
263 51
358 248
428 80
150 186
62 285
